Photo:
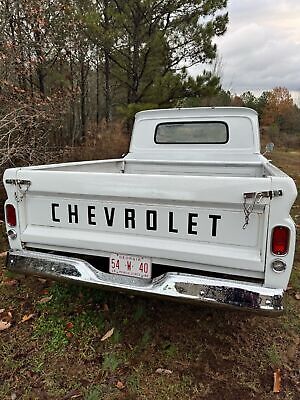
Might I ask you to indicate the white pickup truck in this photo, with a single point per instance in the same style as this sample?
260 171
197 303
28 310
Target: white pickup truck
193 212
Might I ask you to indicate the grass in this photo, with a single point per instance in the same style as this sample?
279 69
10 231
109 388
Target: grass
273 355
212 354
52 331
111 362
93 394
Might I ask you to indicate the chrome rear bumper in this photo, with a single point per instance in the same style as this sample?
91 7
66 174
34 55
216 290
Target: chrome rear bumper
179 286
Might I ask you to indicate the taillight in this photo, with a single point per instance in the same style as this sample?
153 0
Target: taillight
11 217
280 240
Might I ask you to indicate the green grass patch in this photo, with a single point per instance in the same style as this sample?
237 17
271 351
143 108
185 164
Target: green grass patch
169 349
273 356
95 393
52 329
111 362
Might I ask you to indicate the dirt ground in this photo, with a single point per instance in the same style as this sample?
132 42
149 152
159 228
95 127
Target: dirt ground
158 350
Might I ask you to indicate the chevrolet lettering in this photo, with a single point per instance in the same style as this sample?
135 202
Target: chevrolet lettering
106 216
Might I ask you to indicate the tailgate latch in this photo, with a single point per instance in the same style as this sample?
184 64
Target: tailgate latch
251 199
22 187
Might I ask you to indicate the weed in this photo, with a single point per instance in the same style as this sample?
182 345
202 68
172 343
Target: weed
92 296
170 350
111 362
273 355
116 337
63 298
291 319
146 337
295 279
66 297
52 329
94 393
12 365
139 312
133 382
37 365
88 320
10 274
5 390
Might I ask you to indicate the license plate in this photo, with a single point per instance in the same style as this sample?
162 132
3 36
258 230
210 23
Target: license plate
136 266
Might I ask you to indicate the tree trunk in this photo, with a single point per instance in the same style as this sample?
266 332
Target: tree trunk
97 92
72 118
83 93
41 79
134 50
107 91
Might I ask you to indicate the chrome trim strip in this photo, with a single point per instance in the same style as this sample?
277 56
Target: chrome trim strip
177 286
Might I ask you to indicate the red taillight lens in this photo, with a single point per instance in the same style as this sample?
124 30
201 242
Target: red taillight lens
11 216
280 240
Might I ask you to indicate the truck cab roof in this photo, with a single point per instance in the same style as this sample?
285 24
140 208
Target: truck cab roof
242 134
196 112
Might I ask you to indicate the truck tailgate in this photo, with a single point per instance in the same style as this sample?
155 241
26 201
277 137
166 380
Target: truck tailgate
176 220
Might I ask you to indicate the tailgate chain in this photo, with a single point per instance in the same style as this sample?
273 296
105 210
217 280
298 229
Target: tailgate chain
249 207
22 187
257 197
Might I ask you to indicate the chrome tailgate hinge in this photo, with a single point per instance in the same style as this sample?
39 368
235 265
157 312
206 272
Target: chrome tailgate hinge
18 182
266 194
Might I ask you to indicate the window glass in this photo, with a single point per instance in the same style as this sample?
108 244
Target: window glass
192 132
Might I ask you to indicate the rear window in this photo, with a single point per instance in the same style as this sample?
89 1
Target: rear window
192 132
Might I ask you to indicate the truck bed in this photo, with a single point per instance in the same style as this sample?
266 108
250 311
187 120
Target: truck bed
256 168
199 220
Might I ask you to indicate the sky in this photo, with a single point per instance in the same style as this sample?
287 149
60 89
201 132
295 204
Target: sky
261 48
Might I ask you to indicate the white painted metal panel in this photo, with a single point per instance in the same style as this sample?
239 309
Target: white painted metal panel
198 219
199 224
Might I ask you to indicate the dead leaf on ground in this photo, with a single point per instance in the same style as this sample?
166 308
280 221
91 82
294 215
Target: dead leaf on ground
2 310
105 307
10 282
4 325
120 385
69 325
45 299
26 317
42 280
3 254
277 381
108 334
73 394
297 296
5 320
164 371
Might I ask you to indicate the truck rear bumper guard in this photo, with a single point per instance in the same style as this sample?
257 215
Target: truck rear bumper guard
177 286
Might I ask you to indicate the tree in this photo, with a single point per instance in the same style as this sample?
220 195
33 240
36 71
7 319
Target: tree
249 100
160 36
279 103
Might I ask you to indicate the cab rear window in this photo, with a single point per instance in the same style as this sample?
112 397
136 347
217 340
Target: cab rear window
192 133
